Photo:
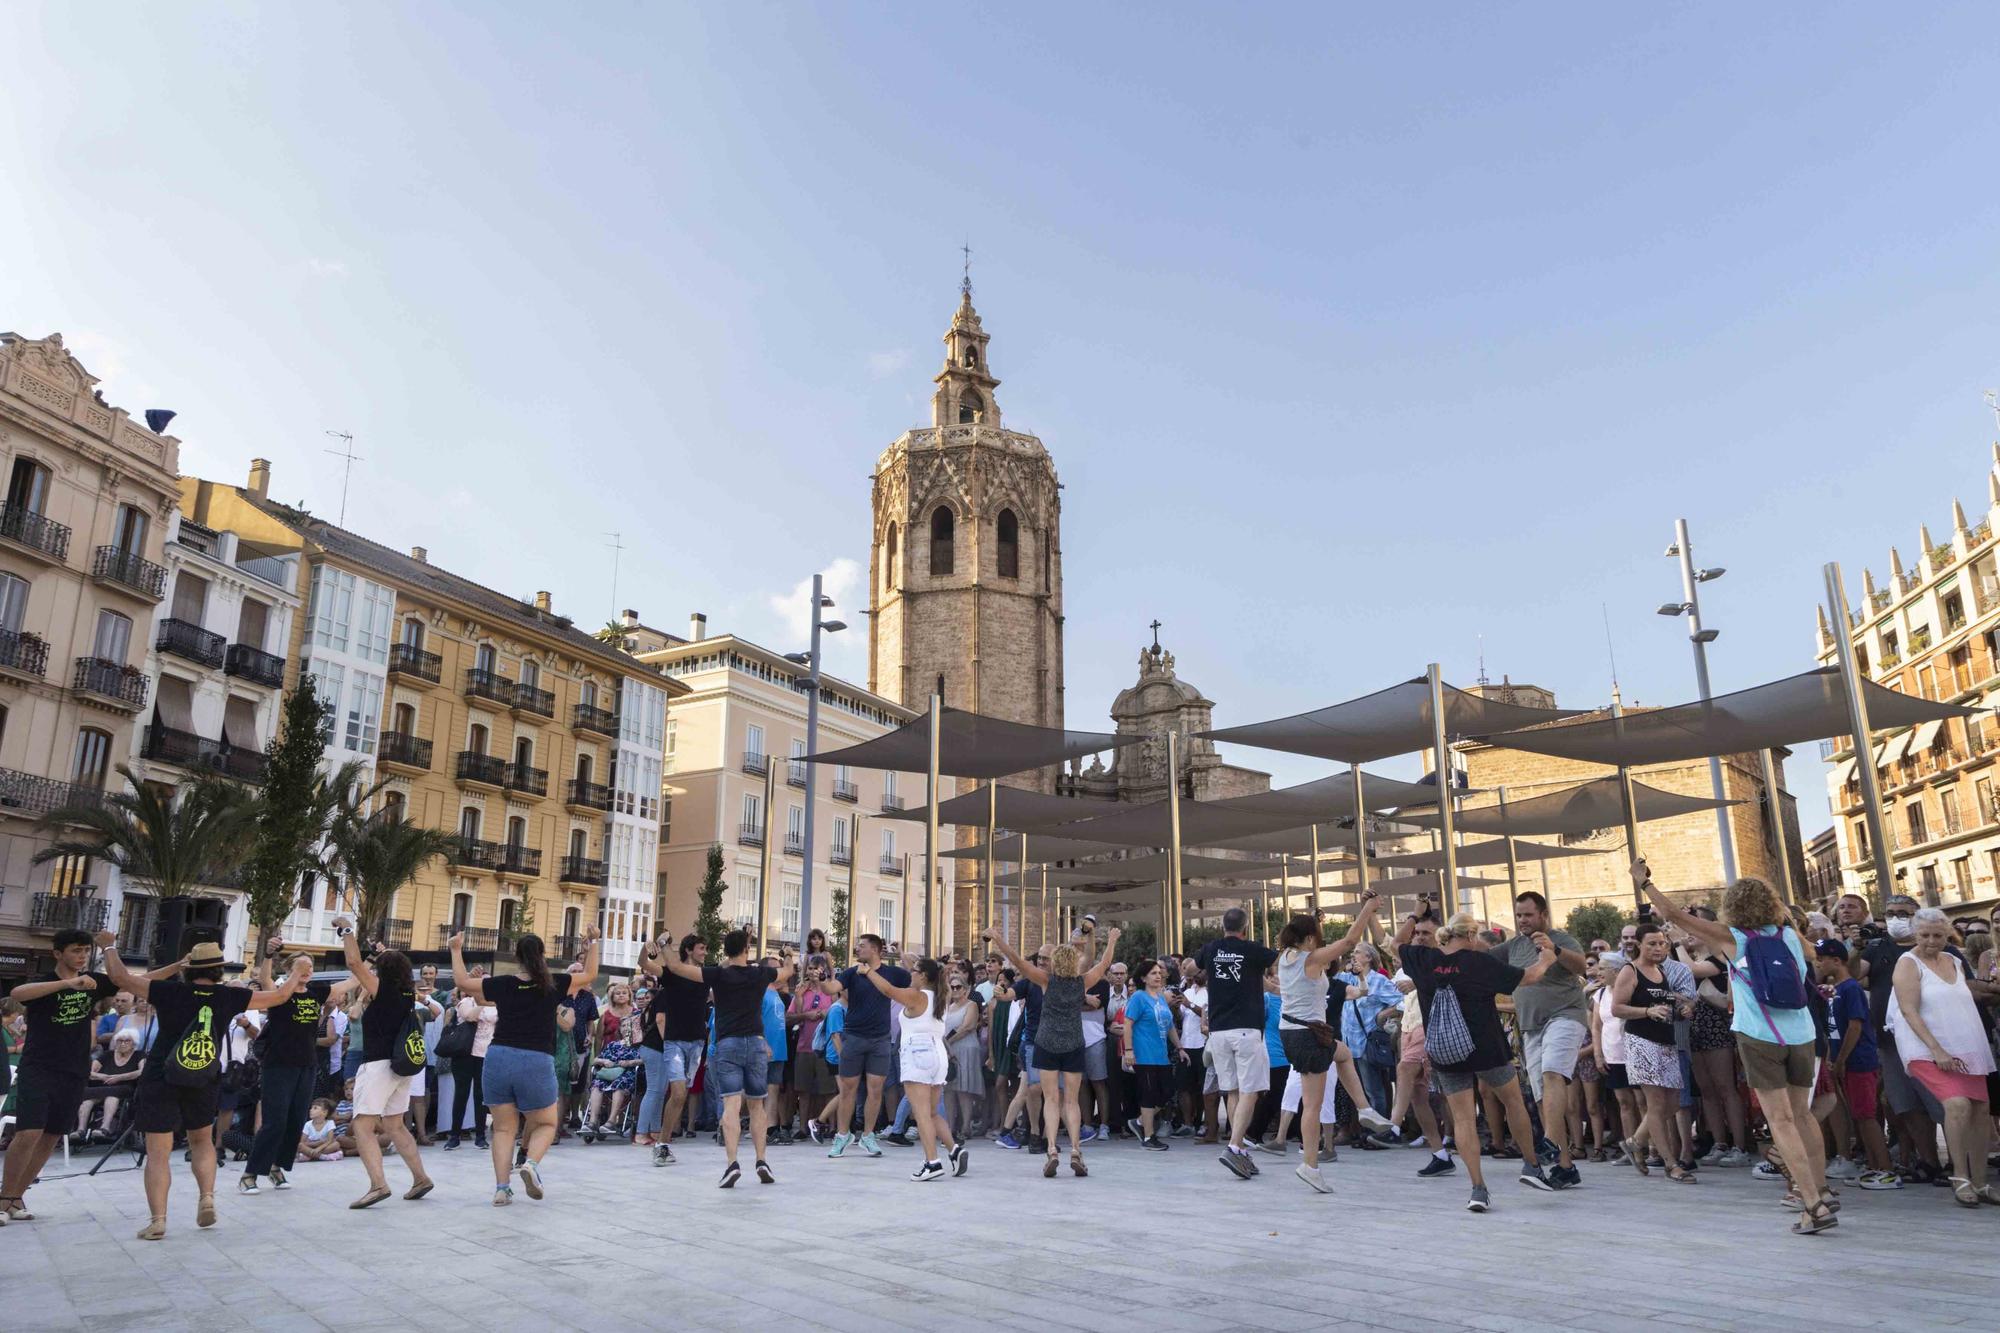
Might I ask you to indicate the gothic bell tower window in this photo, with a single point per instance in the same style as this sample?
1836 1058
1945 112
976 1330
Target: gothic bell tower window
1009 545
941 540
968 408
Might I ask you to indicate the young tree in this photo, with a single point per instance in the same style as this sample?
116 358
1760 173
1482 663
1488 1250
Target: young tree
708 905
1594 921
836 938
1138 942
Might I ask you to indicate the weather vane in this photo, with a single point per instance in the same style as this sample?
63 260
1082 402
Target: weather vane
965 283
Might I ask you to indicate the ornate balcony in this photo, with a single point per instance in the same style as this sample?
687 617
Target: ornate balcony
32 795
525 781
478 939
112 683
489 687
37 535
588 717
841 855
186 639
128 571
845 791
482 770
750 835
24 655
395 933
795 844
584 870
254 665
81 910
892 865
891 801
520 862
403 750
475 854
795 772
419 667
581 795
186 749
528 699
755 764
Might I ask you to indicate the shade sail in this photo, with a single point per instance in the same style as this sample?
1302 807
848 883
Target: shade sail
1399 886
1061 877
1019 811
1581 809
1043 848
1295 842
1805 707
971 745
1389 722
1212 823
1146 870
1489 853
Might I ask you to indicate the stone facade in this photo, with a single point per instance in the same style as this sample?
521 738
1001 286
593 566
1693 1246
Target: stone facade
1160 702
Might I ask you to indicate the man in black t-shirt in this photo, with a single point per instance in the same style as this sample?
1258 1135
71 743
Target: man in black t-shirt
1235 966
195 1014
679 1013
55 1066
742 1057
290 1069
864 1044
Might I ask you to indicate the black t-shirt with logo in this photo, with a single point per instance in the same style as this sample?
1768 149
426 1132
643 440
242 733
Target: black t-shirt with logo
527 1018
739 998
61 1024
1235 969
291 1029
179 1004
382 1023
685 1003
1475 977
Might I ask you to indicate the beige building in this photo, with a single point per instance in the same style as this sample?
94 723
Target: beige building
89 495
1930 630
743 718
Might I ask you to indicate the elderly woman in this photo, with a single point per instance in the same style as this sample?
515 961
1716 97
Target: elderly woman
1934 1014
1369 994
112 1072
1649 995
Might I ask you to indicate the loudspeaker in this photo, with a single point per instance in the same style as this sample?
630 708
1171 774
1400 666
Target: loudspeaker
184 923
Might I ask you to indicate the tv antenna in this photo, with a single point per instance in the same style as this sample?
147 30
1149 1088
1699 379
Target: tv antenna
346 452
1993 403
617 545
1610 650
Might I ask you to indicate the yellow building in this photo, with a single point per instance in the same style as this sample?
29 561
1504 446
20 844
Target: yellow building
487 715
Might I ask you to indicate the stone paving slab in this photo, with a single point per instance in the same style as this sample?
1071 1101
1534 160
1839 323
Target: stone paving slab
1166 1241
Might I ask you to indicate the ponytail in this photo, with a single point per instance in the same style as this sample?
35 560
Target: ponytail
534 962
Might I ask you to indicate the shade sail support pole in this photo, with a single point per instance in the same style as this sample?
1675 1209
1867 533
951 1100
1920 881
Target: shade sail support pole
764 866
1174 832
1883 851
1441 767
933 879
1513 870
1317 910
1771 798
1625 804
990 889
1360 832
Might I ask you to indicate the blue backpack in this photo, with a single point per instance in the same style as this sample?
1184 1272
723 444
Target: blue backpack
1772 971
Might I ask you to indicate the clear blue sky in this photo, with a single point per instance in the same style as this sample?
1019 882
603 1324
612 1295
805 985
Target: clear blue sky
1356 335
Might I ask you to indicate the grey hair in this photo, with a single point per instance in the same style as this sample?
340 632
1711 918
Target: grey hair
1930 916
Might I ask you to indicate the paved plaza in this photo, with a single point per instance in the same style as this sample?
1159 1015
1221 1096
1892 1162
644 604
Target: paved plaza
1159 1241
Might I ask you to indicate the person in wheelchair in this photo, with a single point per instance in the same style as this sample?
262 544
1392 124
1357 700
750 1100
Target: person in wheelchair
113 1071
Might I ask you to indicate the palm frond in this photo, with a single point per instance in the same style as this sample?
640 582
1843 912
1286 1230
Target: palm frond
170 841
381 856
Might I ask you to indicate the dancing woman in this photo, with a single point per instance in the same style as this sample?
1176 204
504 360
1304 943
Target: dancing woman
1059 1039
381 1095
924 1060
1309 1039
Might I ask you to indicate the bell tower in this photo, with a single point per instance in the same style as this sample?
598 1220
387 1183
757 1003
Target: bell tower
965 572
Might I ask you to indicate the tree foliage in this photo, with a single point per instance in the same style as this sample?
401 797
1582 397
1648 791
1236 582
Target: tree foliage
708 904
166 840
1597 920
380 856
841 913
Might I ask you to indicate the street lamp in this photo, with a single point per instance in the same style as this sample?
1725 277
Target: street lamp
810 661
1683 550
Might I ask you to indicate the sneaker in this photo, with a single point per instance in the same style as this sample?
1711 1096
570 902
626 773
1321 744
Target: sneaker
1437 1166
279 1180
1714 1155
899 1137
1272 1146
928 1171
1565 1177
1533 1177
1183 1131
815 1131
764 1176
1368 1143
531 1178
1547 1153
1239 1162
1391 1138
1133 1126
961 1159
1155 1143
502 1195
1880 1180
247 1185
1007 1141
1374 1120
1732 1157
1312 1177
870 1146
1480 1200
730 1175
663 1155
1765 1171
840 1142
1842 1169
1088 1135
1250 1162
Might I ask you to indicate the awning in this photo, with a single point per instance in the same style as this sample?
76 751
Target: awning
1894 750
173 704
1019 810
1843 772
1389 722
1926 736
1584 808
1210 823
1805 707
971 745
1043 849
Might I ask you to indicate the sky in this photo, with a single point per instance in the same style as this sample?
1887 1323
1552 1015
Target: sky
1361 338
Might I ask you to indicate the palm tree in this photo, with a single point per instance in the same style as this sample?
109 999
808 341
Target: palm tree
613 633
380 856
169 841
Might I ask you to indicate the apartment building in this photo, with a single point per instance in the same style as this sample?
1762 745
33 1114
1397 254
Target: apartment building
1929 630
487 715
89 495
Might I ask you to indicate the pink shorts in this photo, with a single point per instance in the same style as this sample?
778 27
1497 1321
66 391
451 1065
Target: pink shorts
1943 1084
1413 1044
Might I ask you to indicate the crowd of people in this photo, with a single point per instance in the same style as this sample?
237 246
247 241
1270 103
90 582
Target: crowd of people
1811 1050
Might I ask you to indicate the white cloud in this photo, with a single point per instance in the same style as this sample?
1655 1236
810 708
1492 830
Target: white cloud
881 365
841 581
326 268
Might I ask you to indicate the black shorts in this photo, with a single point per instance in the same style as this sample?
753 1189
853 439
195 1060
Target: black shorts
1615 1077
163 1108
1192 1072
1061 1062
1155 1084
47 1099
1305 1052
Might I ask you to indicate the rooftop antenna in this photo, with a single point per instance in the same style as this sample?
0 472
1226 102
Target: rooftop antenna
1993 404
617 545
1483 680
347 469
1610 650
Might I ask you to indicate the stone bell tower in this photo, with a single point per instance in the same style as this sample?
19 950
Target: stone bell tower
965 575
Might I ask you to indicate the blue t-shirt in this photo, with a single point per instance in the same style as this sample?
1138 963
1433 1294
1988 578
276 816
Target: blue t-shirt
1272 1046
868 1008
774 1024
1850 1001
1151 1021
835 1024
1784 1027
1030 996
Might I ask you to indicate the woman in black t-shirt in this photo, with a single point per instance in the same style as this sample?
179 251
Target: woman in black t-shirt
382 1095
520 1069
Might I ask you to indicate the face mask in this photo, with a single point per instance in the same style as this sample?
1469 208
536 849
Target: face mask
1900 927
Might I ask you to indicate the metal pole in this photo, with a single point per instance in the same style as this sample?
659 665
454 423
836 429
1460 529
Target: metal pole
1883 851
1513 882
1777 824
1021 897
1174 833
764 870
812 786
854 880
1360 833
905 931
1441 764
1285 896
992 816
933 891
1688 585
1315 872
1625 798
1042 914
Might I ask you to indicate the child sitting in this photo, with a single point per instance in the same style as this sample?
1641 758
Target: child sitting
316 1140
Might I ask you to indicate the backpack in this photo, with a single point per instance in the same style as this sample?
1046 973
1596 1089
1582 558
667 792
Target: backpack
1447 1038
1772 972
195 1060
406 1057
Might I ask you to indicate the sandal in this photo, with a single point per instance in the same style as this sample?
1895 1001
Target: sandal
14 1209
371 1198
419 1189
1989 1193
154 1230
1636 1156
1961 1190
1049 1168
1680 1175
1076 1164
204 1211
1816 1219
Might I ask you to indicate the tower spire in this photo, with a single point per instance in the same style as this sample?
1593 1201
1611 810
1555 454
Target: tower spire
965 386
965 283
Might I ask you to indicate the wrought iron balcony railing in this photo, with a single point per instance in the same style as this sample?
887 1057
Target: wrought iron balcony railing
129 570
255 665
409 660
113 682
186 639
588 717
37 532
400 747
24 654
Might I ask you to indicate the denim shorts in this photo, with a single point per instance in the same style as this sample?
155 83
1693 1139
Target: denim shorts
522 1079
683 1058
741 1067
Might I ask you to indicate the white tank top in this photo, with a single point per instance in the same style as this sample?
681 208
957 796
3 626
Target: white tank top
1948 1010
925 1030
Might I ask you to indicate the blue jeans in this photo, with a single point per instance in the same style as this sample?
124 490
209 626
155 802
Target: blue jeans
1379 1082
654 1104
287 1097
902 1116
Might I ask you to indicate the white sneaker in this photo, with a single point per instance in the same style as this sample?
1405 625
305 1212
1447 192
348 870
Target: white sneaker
1880 1180
1713 1157
1842 1169
1374 1119
1272 1146
1734 1157
1312 1177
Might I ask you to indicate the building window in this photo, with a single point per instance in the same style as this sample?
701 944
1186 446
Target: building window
1927 882
1009 545
510 916
461 910
839 839
486 659
413 633
587 694
331 607
753 811
1948 807
393 806
468 823
476 738
371 630
941 538
1982 797
888 845
1919 831
93 758
753 741
583 769
130 534
524 752
28 487
968 406
885 918
746 899
13 602
579 843
795 823
889 565
788 912
573 926
666 824
673 740
889 785
1961 878
531 673
114 636
364 712
517 832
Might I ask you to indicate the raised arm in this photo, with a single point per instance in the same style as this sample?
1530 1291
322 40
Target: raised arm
1103 965
460 977
649 961
297 977
681 968
1327 955
123 977
350 947
1022 967
903 995
581 981
1712 933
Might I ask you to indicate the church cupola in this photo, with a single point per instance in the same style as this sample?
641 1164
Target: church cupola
965 387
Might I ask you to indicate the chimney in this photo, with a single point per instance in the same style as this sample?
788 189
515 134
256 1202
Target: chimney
629 618
421 555
260 478
542 601
697 627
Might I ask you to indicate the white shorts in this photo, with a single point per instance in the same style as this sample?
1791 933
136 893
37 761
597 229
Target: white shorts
922 1060
1242 1061
379 1090
1294 1096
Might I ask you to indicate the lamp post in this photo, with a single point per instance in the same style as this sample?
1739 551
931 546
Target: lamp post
1701 638
810 661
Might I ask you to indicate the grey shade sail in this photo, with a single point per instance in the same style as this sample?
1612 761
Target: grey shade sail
1805 707
1214 823
1490 853
1019 810
1388 722
1060 877
1399 886
1295 842
1147 870
1043 849
971 745
1581 809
